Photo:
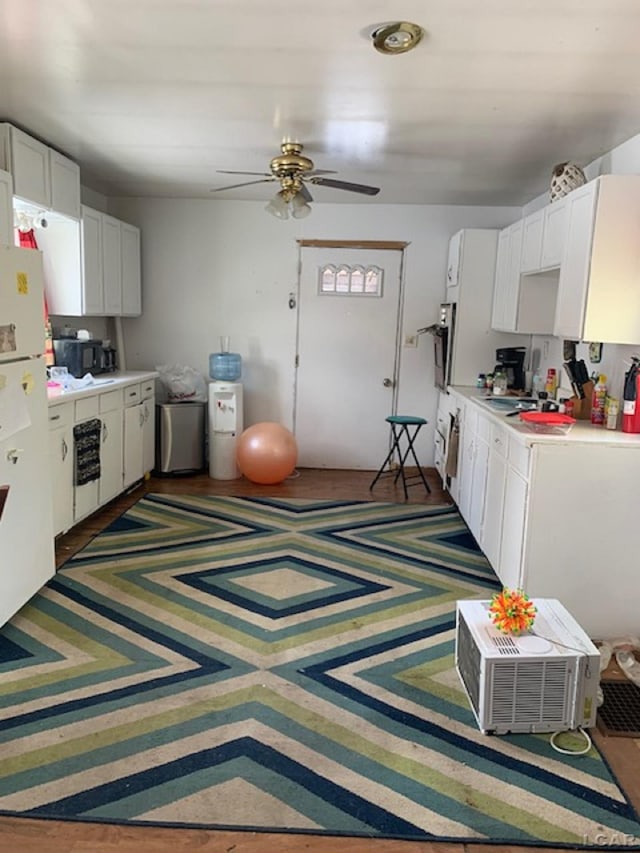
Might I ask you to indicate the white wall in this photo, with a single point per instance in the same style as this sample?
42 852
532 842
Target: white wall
212 268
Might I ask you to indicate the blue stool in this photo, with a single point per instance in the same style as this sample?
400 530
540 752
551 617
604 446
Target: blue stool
400 430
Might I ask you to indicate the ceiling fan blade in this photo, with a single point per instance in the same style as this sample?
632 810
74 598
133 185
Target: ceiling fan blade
304 192
344 185
229 172
246 184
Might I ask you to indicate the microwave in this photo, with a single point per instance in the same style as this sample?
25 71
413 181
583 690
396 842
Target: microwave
79 357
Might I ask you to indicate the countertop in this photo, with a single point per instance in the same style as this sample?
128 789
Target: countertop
102 383
582 432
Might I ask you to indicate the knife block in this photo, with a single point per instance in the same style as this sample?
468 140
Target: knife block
582 408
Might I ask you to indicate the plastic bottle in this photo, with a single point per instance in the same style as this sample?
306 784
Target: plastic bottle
225 366
630 407
552 382
598 400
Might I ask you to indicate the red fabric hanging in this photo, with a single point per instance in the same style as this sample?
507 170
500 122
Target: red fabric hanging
27 239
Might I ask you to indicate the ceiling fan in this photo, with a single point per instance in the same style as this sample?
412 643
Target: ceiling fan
293 171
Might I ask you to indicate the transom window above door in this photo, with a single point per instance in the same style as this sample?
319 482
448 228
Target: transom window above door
350 280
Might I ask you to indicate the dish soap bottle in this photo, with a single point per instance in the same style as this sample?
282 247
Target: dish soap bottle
598 401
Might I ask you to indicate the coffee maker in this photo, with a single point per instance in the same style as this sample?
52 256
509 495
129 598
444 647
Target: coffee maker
510 360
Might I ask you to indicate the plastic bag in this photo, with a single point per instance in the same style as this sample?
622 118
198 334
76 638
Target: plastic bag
183 384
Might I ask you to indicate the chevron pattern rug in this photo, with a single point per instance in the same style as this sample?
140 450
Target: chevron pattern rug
276 665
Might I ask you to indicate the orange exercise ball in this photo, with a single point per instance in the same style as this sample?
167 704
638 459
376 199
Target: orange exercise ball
266 453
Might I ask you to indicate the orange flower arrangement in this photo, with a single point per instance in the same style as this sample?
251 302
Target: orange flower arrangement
511 611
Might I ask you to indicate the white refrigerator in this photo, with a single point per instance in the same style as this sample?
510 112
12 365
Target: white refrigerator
26 526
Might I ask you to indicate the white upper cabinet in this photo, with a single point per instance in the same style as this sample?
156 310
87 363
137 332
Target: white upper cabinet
453 268
65 184
6 209
41 176
532 231
554 233
111 266
87 263
505 295
131 273
599 287
28 161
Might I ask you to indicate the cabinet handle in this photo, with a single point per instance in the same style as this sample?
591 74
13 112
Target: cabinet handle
105 432
65 449
141 419
54 417
132 393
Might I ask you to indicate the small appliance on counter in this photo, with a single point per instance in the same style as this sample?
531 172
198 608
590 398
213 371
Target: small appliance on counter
79 356
510 362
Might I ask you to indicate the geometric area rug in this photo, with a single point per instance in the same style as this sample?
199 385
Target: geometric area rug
282 665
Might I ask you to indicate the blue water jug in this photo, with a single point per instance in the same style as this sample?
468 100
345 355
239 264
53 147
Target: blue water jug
225 366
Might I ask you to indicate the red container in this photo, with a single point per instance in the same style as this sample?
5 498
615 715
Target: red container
631 407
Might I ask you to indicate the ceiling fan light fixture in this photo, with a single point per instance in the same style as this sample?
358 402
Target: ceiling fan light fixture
397 37
278 206
299 207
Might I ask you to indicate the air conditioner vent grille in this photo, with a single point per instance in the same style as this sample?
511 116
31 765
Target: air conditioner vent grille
505 645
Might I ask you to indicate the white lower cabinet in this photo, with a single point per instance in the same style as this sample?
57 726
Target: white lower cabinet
111 482
491 536
514 518
139 431
61 462
559 516
125 427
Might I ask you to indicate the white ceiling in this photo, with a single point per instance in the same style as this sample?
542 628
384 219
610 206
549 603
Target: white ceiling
151 97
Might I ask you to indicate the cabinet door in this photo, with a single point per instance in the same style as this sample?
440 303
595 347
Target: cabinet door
507 283
509 569
478 488
494 503
6 209
453 268
111 266
148 436
574 271
61 461
133 425
131 278
110 483
532 229
91 246
555 232
30 169
65 185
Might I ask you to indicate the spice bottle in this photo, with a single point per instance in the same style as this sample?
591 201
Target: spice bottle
598 400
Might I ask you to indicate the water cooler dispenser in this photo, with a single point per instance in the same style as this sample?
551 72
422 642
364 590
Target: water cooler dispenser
225 425
225 412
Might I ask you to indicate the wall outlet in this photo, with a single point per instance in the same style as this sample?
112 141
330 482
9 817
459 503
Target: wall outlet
411 340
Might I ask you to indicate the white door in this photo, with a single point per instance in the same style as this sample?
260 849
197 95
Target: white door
347 355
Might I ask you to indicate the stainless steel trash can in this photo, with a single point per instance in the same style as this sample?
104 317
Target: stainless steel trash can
180 431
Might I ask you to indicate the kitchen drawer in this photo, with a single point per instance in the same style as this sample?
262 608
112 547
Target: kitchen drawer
499 440
111 400
132 395
148 389
519 457
60 416
86 408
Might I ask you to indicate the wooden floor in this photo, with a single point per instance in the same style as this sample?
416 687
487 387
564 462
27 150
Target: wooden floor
25 835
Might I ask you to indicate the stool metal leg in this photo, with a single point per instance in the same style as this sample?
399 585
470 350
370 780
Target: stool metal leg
410 449
389 457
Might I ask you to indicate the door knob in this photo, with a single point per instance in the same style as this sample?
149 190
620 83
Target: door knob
388 383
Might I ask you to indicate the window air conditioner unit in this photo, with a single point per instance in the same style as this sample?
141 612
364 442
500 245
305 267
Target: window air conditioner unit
543 681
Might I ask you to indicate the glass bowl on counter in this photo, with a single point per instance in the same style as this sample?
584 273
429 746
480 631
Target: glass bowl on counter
548 422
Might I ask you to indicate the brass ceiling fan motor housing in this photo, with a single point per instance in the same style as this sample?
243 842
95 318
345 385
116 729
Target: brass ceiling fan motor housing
291 162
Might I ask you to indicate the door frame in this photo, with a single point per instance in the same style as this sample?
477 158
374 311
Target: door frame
390 245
